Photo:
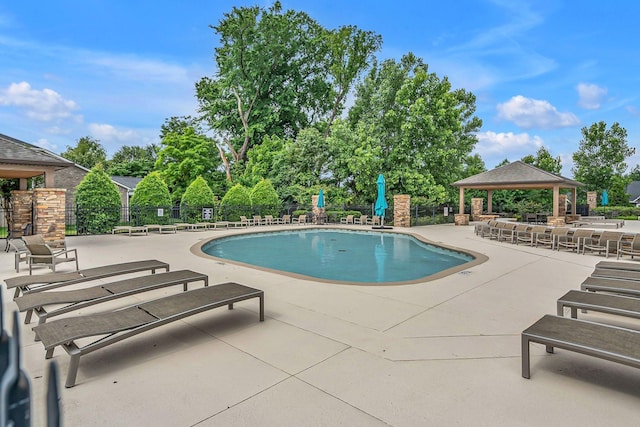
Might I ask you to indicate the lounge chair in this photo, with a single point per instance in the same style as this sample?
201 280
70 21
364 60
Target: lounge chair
42 254
506 232
615 265
549 237
347 220
302 219
631 248
81 298
130 229
484 228
258 220
573 241
363 220
114 326
21 252
610 273
162 228
607 242
246 222
606 342
43 282
375 220
511 235
268 220
612 286
529 236
611 304
286 219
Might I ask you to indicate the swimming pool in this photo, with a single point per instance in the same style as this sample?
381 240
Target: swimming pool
341 256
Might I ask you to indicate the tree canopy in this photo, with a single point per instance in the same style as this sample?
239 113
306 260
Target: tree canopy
88 152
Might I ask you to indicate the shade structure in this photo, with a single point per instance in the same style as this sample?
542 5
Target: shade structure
321 199
605 198
381 202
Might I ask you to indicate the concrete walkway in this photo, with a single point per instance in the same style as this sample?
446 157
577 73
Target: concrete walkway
445 352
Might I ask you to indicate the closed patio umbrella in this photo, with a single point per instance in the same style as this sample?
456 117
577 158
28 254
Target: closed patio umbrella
605 198
381 203
321 199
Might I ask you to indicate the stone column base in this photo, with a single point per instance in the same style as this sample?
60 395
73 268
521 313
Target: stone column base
462 219
556 221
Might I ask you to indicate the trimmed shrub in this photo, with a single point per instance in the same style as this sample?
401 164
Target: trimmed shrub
151 195
198 195
236 202
98 203
264 199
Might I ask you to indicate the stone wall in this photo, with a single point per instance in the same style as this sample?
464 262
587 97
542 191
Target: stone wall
562 205
556 221
22 207
402 210
477 206
49 211
462 219
592 200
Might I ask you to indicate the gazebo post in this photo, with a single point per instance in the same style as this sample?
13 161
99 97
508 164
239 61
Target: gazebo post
461 208
489 201
556 198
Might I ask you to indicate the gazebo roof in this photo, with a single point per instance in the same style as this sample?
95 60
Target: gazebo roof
516 175
19 159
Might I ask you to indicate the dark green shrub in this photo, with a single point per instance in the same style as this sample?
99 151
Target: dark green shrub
198 195
264 199
98 203
151 201
236 202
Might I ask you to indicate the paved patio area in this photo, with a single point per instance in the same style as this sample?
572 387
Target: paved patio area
445 352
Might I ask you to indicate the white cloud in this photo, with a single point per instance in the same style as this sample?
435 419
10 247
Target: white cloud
590 95
44 143
43 105
634 111
492 143
534 113
109 133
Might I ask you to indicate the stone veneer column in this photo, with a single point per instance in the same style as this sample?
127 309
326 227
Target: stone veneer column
49 213
461 219
402 210
476 207
317 212
562 205
592 200
22 204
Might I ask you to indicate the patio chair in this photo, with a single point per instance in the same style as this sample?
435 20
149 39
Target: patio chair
347 220
42 254
268 220
21 252
573 241
81 298
607 242
375 220
528 236
246 222
44 282
257 220
362 220
631 248
506 232
494 232
114 326
286 219
550 236
511 235
483 228
302 219
621 345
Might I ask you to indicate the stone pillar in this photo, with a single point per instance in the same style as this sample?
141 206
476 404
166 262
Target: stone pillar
562 205
556 221
592 200
402 210
461 219
49 214
22 207
318 213
476 208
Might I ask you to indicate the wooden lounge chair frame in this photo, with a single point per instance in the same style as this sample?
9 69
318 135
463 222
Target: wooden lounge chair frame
130 321
44 282
130 229
162 228
604 303
86 297
607 342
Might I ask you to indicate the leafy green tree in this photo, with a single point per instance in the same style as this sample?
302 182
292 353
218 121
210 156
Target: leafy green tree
133 161
600 162
151 201
185 156
197 196
264 198
88 152
634 174
544 160
98 203
420 129
179 125
236 202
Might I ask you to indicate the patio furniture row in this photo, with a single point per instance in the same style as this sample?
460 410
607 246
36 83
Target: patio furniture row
613 288
579 240
109 327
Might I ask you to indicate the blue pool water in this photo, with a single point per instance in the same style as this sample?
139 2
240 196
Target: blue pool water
339 255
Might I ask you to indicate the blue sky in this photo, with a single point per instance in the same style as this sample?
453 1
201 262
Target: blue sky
114 69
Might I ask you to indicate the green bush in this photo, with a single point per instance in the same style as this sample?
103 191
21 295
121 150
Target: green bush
617 211
150 195
198 195
98 203
264 199
236 202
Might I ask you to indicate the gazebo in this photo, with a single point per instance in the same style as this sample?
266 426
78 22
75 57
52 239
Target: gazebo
518 176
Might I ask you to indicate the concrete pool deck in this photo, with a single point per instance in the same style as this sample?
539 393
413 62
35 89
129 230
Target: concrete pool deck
442 352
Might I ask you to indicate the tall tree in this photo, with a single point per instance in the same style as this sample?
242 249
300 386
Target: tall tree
544 160
88 152
133 161
600 161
